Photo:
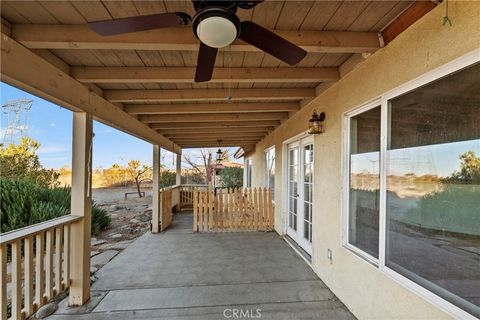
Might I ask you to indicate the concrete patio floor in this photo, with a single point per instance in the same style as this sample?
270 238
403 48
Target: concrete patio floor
183 275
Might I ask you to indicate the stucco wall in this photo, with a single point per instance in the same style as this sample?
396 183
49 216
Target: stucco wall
367 292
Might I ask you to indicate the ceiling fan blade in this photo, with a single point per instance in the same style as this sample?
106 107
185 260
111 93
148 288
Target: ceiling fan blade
272 44
140 23
205 63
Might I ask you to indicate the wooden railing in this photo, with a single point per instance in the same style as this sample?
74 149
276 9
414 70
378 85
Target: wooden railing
233 210
40 260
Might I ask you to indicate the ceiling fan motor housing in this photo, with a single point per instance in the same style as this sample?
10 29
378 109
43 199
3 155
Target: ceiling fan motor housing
217 27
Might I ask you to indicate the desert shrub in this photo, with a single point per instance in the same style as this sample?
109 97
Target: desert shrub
20 161
100 219
23 203
15 203
43 211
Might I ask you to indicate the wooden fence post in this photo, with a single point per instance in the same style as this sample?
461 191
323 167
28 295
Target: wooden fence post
195 211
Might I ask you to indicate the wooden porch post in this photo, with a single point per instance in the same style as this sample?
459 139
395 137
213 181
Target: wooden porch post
156 206
178 180
81 204
179 169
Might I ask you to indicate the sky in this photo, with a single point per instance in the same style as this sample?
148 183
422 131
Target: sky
439 159
51 125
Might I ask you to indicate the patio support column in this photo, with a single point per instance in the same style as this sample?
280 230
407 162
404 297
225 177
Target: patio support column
81 205
179 169
156 205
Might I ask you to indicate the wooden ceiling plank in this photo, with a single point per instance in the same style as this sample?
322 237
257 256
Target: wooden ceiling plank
374 12
211 108
292 15
319 15
225 140
92 10
213 145
153 118
64 12
174 131
107 57
346 14
215 135
130 58
147 7
11 14
267 13
145 96
186 74
43 36
215 125
33 11
121 9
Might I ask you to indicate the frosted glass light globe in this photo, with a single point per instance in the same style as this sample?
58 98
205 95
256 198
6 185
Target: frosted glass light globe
216 32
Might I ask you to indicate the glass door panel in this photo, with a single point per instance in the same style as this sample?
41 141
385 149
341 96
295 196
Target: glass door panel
293 160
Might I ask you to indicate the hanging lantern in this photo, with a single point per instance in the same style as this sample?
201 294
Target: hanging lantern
219 152
315 123
219 155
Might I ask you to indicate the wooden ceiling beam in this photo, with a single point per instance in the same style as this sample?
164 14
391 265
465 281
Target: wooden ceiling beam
187 74
209 144
215 135
169 118
41 36
198 95
214 142
215 125
413 13
211 108
174 131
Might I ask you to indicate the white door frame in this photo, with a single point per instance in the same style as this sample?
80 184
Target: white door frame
302 139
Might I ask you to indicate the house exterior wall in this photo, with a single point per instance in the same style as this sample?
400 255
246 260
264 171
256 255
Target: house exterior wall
365 290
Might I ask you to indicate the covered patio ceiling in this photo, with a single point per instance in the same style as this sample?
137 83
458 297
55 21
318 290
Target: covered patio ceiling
148 76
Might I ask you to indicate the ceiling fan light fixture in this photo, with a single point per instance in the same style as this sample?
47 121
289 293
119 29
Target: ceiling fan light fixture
217 32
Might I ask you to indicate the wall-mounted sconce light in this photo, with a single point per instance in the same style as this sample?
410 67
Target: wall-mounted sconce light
316 123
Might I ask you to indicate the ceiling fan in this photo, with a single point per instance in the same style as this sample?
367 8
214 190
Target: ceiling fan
216 25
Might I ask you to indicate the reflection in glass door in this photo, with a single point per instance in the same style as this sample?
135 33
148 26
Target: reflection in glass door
307 192
293 156
300 193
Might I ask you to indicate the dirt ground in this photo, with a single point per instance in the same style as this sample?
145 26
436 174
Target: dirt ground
130 217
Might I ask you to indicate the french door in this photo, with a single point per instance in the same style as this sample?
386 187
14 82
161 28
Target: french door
300 192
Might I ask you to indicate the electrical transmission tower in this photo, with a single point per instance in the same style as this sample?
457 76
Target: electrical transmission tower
16 115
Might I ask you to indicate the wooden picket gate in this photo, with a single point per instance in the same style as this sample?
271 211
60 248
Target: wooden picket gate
233 210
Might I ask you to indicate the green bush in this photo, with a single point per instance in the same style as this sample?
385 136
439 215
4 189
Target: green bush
22 203
100 219
232 177
15 204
